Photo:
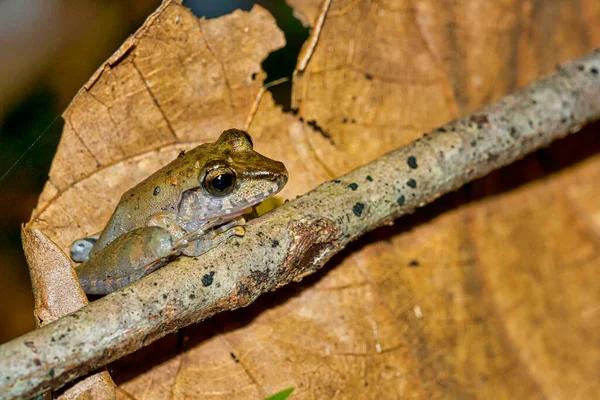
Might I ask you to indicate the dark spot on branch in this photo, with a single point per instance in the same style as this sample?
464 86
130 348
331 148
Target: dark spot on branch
275 243
594 71
414 263
400 200
474 143
412 183
207 279
442 130
369 178
51 373
260 278
480 120
234 358
31 346
492 157
368 77
254 75
165 296
156 191
192 296
412 162
513 133
353 186
181 153
358 208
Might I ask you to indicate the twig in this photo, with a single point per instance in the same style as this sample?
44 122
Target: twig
299 237
308 50
260 94
311 44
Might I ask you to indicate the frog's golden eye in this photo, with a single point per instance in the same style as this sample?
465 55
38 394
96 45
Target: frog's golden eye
219 181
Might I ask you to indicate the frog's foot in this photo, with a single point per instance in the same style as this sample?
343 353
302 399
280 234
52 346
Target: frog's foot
81 248
214 238
238 222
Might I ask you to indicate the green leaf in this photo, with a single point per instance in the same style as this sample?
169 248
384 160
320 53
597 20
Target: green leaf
283 395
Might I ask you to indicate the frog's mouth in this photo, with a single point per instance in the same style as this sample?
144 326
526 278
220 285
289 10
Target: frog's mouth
195 213
245 207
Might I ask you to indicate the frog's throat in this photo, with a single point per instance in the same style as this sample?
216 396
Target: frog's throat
226 210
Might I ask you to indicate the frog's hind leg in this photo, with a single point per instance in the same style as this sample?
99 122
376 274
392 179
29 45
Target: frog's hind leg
125 259
81 248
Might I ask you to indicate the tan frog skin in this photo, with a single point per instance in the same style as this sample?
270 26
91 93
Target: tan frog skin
186 208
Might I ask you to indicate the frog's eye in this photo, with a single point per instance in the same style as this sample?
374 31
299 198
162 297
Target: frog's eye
219 181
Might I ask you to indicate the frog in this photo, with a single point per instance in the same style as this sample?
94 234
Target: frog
188 207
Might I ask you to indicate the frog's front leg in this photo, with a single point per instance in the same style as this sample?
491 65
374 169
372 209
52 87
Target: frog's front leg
182 231
126 259
168 222
198 245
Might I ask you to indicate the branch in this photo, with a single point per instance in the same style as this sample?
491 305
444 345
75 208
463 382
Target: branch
299 237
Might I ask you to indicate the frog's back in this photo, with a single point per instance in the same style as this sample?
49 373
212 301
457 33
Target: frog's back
160 192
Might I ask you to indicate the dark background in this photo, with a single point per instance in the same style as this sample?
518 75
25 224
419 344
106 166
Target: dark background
50 48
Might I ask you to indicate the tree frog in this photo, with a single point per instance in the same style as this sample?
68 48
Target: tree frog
186 208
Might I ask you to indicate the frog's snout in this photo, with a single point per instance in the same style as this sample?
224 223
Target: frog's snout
280 176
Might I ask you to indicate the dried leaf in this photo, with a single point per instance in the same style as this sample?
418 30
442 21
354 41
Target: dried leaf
495 298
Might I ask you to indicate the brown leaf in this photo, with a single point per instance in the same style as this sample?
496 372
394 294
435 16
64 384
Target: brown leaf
495 298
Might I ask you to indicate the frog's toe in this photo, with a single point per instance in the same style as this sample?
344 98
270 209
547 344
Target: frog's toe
80 249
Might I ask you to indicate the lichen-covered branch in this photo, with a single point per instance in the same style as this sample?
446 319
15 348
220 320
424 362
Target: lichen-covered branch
299 237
